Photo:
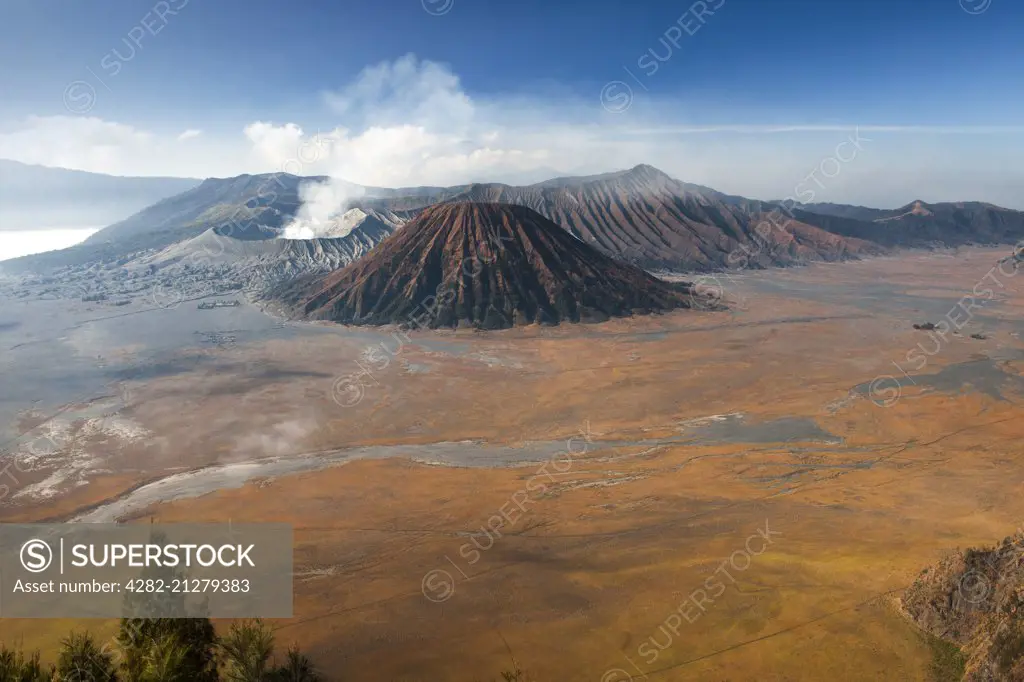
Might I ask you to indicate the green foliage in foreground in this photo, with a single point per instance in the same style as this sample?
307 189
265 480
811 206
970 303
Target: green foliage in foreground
14 667
164 650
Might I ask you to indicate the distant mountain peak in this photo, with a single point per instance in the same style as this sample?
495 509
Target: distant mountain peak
642 178
647 170
920 208
914 208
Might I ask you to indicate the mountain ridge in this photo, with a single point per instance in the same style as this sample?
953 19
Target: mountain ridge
641 215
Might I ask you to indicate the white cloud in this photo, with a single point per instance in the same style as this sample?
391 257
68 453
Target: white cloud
99 146
73 142
410 122
406 122
274 144
406 91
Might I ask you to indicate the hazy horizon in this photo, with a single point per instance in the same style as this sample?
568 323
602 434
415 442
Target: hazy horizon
17 243
517 178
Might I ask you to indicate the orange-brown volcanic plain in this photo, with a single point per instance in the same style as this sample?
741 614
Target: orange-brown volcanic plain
631 523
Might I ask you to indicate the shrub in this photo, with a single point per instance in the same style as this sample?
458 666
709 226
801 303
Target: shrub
194 640
246 652
15 667
297 668
80 660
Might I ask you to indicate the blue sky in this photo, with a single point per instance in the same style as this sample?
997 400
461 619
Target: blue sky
504 89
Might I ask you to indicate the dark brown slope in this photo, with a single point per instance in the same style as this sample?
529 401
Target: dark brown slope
488 266
646 217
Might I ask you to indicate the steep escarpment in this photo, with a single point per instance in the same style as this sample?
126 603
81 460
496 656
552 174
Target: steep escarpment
974 599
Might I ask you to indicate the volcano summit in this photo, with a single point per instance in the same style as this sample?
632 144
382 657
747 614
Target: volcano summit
488 266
